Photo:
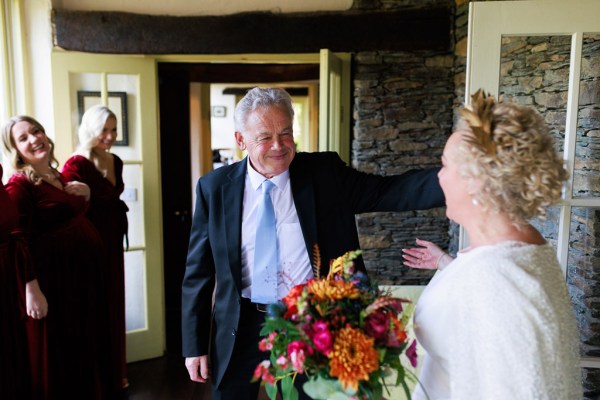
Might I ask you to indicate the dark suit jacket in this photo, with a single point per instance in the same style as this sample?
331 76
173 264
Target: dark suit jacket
327 195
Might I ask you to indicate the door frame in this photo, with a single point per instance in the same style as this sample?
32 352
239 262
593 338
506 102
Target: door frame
148 342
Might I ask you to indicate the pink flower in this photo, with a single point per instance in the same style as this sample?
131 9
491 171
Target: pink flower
262 372
411 353
262 345
267 343
377 326
282 361
298 351
321 336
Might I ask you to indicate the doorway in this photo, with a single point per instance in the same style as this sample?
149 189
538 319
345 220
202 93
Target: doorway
174 80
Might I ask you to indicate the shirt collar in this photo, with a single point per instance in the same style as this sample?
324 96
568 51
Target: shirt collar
257 179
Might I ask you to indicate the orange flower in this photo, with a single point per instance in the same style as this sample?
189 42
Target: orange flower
353 357
398 335
332 290
292 297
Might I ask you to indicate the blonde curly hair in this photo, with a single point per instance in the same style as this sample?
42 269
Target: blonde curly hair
510 152
10 149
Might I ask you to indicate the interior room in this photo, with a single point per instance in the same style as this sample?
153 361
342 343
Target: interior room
378 82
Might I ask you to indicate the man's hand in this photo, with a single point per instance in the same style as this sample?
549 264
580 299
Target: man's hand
198 368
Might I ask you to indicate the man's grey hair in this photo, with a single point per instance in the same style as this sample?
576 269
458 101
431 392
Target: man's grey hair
259 98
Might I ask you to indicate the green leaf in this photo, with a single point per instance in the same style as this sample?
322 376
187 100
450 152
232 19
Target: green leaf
377 393
339 396
288 391
320 389
271 391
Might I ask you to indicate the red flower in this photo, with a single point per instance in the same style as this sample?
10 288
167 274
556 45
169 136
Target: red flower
377 326
291 312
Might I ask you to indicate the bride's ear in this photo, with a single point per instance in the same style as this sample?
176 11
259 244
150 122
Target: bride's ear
473 189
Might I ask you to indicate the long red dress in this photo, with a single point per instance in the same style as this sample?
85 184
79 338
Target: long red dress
14 363
108 214
67 348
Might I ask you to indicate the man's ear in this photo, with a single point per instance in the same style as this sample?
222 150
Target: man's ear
239 139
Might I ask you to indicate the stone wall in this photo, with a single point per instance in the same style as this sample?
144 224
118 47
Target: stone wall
402 115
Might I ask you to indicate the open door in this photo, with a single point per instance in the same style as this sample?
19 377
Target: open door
334 103
544 53
128 86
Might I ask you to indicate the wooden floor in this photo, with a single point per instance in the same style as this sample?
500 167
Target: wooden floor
163 378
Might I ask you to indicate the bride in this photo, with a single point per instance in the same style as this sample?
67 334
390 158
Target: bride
497 322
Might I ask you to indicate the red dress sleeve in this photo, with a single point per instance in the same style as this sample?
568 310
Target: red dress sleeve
19 189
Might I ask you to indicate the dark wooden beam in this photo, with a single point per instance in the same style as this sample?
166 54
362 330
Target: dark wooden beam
293 91
242 73
351 31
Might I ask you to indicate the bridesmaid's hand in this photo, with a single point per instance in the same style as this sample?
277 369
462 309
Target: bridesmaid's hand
36 304
78 189
430 256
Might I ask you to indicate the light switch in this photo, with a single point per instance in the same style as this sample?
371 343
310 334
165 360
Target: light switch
129 194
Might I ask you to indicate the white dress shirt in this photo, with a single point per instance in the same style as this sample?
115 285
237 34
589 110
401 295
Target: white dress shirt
294 263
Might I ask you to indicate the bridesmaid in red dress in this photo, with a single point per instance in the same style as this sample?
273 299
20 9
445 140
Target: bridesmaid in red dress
102 171
15 269
66 347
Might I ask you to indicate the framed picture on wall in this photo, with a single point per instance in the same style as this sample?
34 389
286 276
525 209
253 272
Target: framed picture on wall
219 111
117 102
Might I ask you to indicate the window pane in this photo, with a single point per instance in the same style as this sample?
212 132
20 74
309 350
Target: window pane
124 89
132 195
548 227
135 293
535 71
582 272
586 179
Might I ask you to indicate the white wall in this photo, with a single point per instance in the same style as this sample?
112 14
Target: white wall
37 38
222 128
202 7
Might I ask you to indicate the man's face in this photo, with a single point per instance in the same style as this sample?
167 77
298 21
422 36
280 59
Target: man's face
269 139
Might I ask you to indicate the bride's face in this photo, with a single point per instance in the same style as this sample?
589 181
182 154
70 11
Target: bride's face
453 183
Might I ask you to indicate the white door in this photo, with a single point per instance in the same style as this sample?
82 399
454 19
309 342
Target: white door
543 53
128 86
334 89
334 103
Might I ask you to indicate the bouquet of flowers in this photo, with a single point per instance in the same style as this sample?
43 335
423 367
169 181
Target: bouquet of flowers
341 331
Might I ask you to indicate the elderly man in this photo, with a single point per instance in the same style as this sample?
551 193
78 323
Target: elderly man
255 226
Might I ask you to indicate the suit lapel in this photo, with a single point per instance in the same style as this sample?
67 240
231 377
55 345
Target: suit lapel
233 196
304 200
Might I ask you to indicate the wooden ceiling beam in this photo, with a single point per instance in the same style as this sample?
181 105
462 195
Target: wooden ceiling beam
256 32
243 73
